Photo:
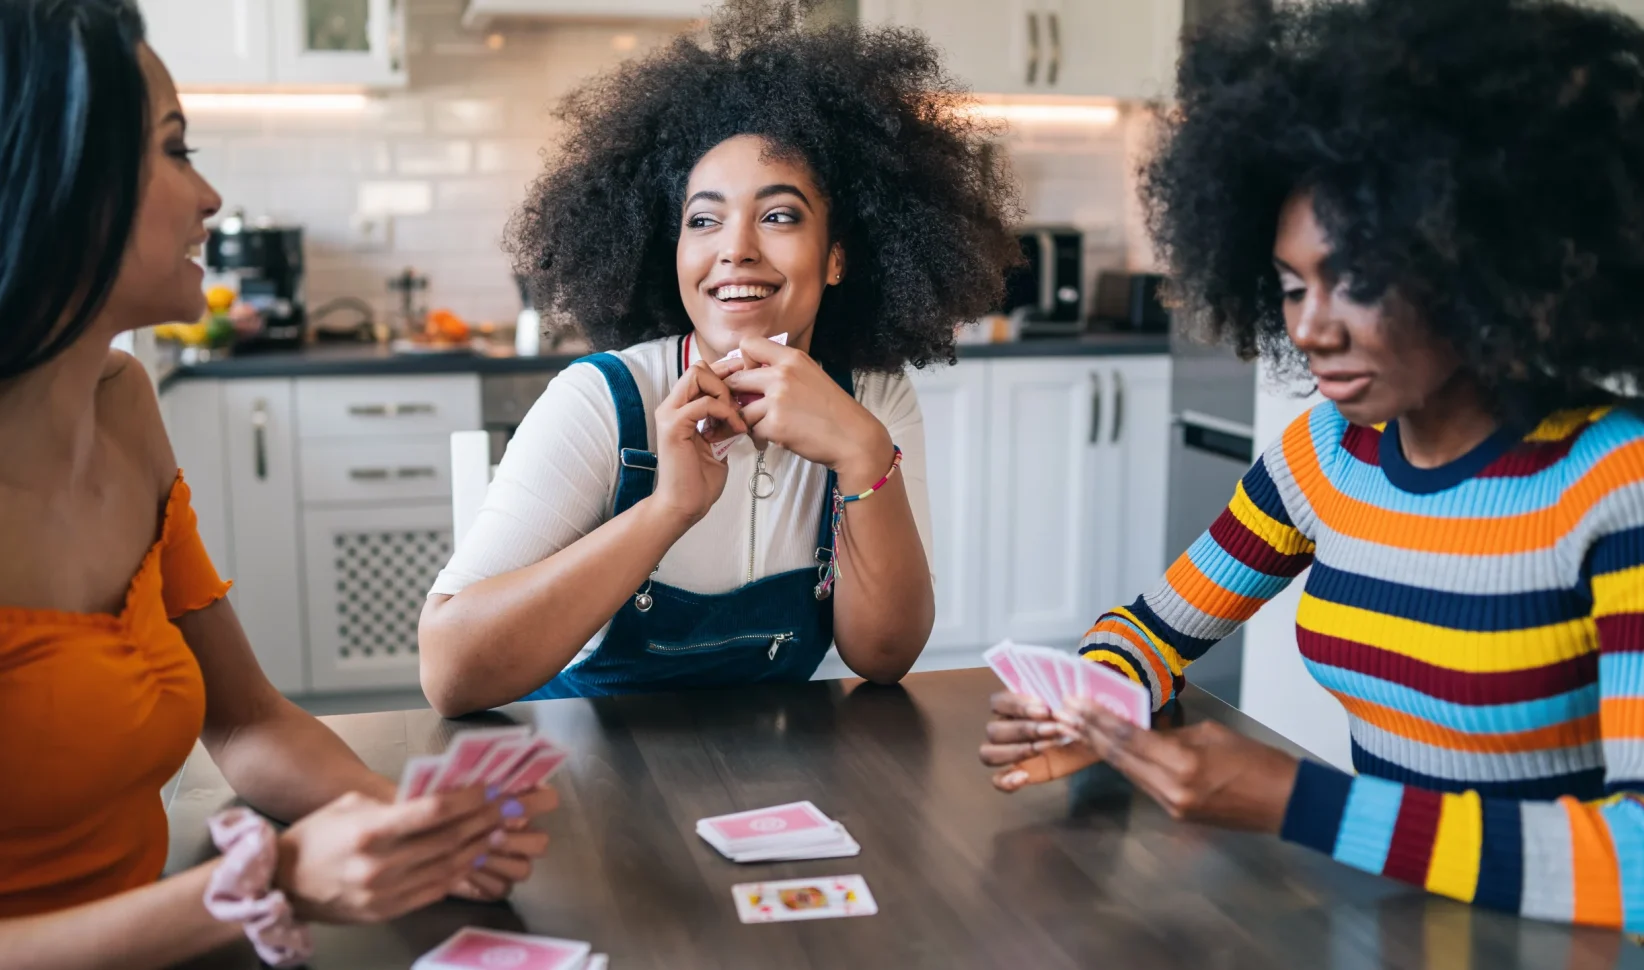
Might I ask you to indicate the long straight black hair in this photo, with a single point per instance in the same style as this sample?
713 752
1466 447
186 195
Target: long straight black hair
73 126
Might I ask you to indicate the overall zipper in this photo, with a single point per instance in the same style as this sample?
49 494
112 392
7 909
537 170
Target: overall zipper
778 640
753 509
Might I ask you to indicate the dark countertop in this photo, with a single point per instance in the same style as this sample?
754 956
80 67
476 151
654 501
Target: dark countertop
1081 873
358 360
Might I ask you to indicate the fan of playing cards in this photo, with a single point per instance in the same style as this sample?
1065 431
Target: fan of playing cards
783 833
1052 675
511 759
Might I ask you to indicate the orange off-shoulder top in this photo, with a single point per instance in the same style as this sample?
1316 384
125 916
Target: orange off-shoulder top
97 712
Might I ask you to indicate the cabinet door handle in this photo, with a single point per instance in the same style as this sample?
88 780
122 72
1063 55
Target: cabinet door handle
1033 48
368 474
401 410
396 38
1118 404
1054 22
259 439
1095 407
417 471
368 410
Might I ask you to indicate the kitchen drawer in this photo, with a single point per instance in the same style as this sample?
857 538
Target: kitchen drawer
374 470
354 407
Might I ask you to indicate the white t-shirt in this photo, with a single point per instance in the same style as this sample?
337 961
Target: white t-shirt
558 480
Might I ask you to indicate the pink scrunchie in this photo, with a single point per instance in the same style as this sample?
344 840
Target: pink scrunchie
241 889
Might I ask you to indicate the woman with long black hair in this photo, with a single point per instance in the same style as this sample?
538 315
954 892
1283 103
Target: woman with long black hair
117 646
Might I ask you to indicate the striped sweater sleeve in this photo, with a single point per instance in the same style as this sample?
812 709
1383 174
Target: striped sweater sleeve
1250 553
1566 860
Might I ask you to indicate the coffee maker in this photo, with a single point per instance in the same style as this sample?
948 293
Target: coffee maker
268 261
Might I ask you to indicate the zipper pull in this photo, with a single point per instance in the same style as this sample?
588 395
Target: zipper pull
776 644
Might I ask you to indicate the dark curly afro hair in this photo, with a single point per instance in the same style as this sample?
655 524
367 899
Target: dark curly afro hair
1481 159
918 200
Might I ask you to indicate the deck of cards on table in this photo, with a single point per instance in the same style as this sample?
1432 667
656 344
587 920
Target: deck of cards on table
781 833
511 759
825 897
1052 675
477 949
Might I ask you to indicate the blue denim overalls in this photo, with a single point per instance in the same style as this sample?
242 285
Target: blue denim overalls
774 630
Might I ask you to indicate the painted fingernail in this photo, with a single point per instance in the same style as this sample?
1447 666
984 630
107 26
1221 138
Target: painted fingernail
479 861
513 809
1015 778
491 793
498 838
1049 729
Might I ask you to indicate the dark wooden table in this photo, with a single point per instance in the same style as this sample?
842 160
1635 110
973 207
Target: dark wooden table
1084 873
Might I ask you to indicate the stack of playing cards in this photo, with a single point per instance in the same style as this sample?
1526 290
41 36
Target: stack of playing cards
1052 675
476 949
828 897
783 833
723 448
511 759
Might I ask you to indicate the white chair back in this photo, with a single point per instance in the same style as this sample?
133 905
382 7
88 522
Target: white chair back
471 472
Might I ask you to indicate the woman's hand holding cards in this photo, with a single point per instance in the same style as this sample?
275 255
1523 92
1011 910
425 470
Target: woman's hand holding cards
1028 745
1203 773
360 860
789 400
689 479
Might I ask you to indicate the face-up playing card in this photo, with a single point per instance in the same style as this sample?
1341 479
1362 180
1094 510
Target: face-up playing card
1002 659
828 897
766 824
477 949
467 752
418 778
1116 692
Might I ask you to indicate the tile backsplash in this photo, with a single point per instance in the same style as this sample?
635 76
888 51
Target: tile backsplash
448 159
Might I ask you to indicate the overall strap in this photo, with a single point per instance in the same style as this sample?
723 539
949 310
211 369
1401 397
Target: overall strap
636 476
824 528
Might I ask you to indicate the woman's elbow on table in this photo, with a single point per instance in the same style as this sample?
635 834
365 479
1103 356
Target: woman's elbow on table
453 677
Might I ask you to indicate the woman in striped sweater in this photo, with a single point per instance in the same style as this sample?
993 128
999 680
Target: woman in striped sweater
1437 208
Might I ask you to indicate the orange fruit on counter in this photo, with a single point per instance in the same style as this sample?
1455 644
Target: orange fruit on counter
445 325
219 299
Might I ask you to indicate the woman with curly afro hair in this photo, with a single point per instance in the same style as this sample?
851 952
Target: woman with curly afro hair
760 232
1435 207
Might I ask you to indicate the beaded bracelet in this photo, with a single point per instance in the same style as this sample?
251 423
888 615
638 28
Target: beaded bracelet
830 569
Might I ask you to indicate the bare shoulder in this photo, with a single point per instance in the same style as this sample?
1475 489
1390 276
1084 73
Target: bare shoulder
128 411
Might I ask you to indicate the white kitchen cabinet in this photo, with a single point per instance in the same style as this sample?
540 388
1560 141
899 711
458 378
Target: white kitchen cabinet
953 401
1113 48
985 42
480 13
286 43
1137 453
349 42
1100 48
217 43
1045 433
259 452
368 571
1077 468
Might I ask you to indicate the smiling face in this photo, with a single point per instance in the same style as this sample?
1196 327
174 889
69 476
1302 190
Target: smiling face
159 282
1375 360
754 255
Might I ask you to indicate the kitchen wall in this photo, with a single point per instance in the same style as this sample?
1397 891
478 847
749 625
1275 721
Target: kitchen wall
449 159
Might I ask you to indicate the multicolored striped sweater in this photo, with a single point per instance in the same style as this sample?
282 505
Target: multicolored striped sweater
1483 625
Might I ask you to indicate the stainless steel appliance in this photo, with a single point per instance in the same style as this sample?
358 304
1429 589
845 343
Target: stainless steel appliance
505 399
1213 400
268 261
1129 302
1045 295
